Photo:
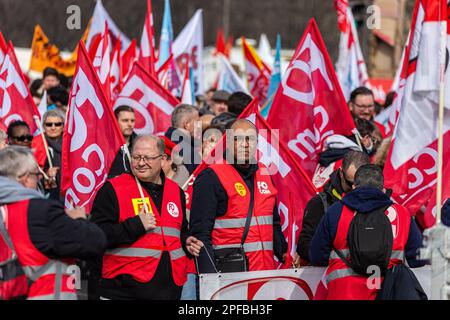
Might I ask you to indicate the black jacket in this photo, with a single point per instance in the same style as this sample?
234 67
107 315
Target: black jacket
55 149
314 211
121 164
58 236
210 200
105 213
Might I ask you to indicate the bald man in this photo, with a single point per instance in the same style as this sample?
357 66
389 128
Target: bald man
231 195
148 249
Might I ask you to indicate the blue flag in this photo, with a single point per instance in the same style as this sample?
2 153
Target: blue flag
275 79
166 39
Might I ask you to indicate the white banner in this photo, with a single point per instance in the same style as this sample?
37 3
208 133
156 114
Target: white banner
188 49
286 284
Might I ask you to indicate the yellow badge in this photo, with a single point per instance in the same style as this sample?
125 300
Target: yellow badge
240 189
138 204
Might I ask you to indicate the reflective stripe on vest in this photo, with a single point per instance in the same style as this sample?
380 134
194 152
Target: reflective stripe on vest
62 296
177 253
135 252
50 267
341 273
168 231
396 254
53 267
248 247
240 222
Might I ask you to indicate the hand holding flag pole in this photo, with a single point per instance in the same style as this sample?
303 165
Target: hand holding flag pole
41 129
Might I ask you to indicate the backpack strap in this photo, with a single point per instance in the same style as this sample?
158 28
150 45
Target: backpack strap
323 197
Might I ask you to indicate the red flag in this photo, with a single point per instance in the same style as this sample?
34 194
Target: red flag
3 49
102 62
147 50
220 42
258 74
115 74
91 136
128 58
229 46
16 102
411 166
152 103
309 105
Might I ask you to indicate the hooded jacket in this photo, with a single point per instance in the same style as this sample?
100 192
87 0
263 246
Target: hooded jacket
364 200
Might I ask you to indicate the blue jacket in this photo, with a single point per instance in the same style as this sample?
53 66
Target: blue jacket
363 199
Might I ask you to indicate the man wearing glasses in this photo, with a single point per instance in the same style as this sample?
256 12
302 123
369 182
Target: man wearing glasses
362 106
222 202
341 182
44 235
148 238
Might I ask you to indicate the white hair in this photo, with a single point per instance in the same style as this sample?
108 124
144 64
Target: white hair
15 161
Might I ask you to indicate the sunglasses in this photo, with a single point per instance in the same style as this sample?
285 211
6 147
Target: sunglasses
24 138
53 124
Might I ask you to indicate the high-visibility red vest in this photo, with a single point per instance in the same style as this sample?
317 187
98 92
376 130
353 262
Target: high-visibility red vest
51 278
228 229
342 282
13 282
141 258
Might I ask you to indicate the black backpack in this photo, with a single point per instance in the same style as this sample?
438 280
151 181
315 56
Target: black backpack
370 242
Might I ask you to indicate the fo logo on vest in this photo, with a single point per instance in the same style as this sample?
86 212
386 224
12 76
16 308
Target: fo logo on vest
173 209
263 187
240 189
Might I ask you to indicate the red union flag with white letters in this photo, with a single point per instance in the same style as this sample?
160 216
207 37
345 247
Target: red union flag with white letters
411 165
152 103
309 105
16 102
91 137
147 50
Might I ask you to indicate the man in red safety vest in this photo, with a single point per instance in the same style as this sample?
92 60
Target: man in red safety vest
368 196
221 205
39 234
146 230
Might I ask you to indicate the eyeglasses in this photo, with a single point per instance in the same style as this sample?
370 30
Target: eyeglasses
37 174
146 159
27 137
370 106
53 124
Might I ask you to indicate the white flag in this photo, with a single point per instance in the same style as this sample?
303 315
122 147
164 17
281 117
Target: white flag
188 48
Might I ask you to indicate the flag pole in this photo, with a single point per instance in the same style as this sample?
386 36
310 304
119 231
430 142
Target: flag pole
443 42
39 125
141 192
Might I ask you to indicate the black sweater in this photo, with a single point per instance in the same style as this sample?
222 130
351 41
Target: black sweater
105 213
314 212
58 236
210 200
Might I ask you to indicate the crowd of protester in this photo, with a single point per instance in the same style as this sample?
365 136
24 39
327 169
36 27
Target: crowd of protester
118 240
